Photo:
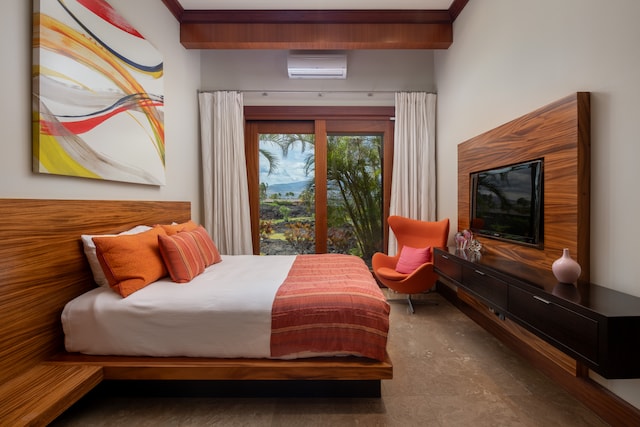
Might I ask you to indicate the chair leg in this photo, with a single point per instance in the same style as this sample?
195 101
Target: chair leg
411 309
409 301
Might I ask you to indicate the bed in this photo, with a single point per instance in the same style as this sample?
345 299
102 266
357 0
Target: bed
44 268
244 306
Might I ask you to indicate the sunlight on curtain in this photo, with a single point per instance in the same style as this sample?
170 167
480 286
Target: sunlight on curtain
413 182
224 172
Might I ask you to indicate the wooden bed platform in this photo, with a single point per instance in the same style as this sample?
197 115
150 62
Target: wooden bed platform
182 368
42 267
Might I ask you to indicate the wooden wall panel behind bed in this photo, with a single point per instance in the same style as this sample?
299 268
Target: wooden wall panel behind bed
42 266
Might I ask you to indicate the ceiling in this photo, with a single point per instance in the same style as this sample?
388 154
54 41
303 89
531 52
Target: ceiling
314 4
316 24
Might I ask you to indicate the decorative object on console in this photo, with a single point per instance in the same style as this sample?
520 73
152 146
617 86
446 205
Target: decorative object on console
460 241
475 246
565 268
465 240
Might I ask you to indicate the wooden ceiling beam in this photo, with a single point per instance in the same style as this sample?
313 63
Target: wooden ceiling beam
315 16
316 29
316 36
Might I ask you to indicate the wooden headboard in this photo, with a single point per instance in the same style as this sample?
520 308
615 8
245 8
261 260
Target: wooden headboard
559 133
42 266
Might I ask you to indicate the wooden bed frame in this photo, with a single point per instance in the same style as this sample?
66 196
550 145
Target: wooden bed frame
42 267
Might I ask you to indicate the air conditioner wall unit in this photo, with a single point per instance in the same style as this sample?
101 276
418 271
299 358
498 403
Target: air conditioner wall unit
317 66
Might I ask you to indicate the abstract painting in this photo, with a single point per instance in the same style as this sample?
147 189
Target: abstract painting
98 99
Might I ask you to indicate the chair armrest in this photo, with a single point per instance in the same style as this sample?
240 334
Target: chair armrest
380 260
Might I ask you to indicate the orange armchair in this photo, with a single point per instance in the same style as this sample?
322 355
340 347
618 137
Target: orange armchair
416 234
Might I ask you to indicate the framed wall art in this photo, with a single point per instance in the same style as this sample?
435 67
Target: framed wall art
98 99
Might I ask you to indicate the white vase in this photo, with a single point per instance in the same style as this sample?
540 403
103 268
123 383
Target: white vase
565 268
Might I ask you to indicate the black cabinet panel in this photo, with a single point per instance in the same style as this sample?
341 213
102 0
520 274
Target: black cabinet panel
448 266
573 332
599 328
489 288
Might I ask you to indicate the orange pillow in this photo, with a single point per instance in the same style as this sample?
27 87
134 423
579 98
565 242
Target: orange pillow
172 229
131 262
181 255
412 258
208 250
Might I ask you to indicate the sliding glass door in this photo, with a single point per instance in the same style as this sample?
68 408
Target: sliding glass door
287 193
354 194
319 186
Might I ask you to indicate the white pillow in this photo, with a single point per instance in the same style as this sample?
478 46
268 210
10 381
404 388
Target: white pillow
90 252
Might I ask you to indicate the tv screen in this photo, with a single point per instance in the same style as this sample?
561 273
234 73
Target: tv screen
506 203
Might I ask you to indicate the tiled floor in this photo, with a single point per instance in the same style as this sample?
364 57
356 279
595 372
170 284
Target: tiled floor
447 372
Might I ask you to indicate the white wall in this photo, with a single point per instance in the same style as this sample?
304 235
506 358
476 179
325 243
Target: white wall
181 81
508 58
376 72
511 57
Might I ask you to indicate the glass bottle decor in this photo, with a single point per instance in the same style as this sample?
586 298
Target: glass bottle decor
565 268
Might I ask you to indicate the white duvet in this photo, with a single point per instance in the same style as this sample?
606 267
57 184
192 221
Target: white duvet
224 312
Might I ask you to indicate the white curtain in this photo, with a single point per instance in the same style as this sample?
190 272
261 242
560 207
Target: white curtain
413 182
224 172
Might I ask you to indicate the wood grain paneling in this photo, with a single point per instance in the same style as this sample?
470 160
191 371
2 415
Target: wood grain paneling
559 133
182 368
316 29
43 266
308 16
44 392
327 36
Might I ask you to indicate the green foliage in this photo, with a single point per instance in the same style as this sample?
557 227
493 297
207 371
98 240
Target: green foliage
340 240
354 183
271 159
284 211
263 190
354 191
308 198
266 229
301 236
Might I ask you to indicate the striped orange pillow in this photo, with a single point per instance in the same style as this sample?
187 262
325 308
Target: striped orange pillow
172 229
181 255
208 249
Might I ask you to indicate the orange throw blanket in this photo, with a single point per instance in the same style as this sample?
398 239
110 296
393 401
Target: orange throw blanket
329 303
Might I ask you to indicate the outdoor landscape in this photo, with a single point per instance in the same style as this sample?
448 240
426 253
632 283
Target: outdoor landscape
287 194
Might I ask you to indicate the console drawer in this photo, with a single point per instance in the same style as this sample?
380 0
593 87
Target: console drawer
493 290
567 328
447 266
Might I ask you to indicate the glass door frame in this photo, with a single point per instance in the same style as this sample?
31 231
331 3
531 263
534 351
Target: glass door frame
320 121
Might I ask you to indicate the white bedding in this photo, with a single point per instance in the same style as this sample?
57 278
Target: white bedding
224 312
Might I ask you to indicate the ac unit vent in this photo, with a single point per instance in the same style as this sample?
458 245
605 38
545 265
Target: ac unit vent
329 66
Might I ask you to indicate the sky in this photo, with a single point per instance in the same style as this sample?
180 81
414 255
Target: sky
290 169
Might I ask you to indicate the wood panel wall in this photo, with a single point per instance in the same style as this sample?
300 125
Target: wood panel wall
316 29
42 266
560 134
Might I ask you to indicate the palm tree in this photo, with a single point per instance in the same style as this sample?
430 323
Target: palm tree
354 182
284 142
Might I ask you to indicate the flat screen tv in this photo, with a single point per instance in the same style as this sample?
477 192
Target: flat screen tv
507 203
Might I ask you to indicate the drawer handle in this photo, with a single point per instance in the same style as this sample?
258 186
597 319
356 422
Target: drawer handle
444 256
479 272
541 299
